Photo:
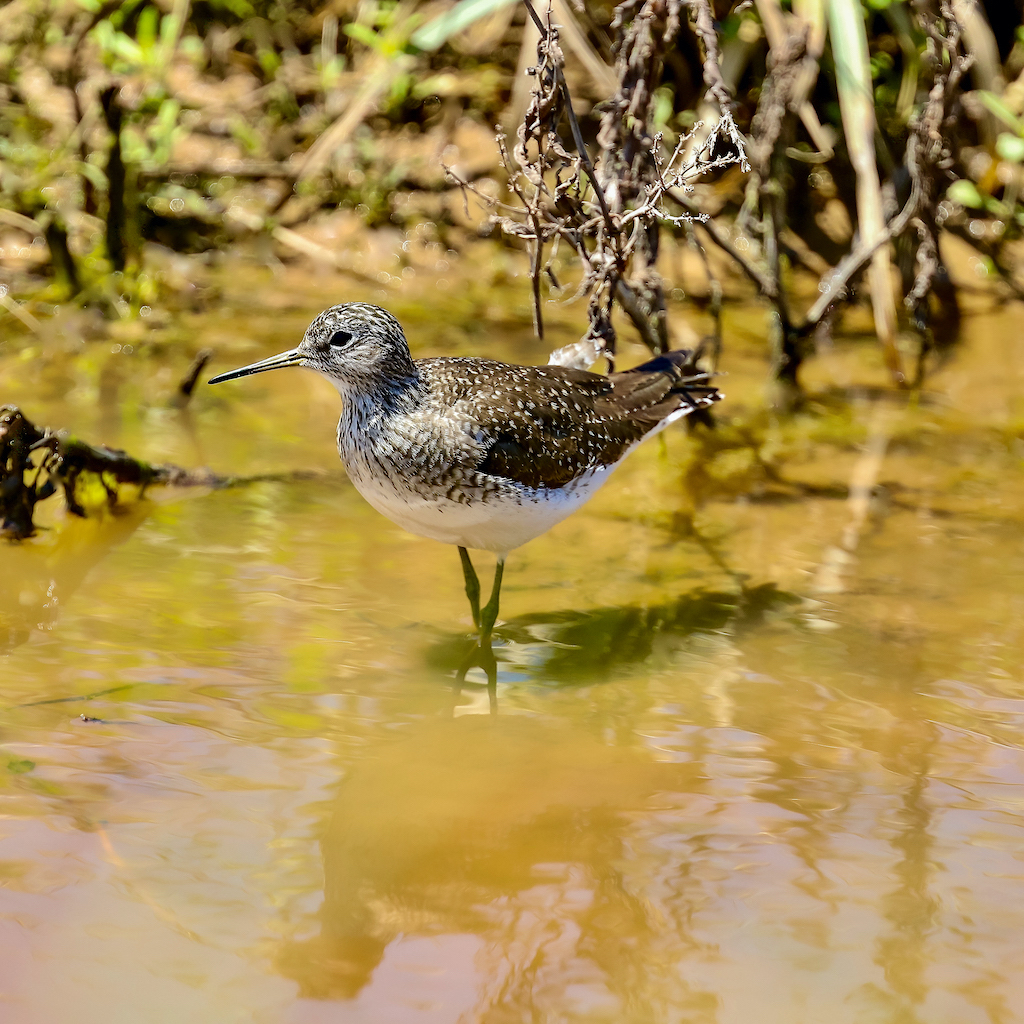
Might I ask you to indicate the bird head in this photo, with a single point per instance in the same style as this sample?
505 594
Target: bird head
353 345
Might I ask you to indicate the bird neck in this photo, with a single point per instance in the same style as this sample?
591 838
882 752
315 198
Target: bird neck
391 389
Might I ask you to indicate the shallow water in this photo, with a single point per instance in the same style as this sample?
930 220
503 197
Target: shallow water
758 751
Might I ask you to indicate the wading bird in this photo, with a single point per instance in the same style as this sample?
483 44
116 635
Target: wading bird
474 452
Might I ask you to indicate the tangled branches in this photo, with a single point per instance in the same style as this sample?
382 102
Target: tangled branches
611 210
610 214
913 207
929 158
34 463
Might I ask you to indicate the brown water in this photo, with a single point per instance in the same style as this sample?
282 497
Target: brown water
759 748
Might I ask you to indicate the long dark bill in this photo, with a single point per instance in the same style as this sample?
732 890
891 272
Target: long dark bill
292 358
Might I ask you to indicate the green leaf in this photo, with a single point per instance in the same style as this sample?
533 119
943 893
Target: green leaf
96 175
364 35
147 28
20 765
168 31
127 49
664 105
996 208
270 61
437 32
124 12
881 63
239 8
965 193
996 106
1010 147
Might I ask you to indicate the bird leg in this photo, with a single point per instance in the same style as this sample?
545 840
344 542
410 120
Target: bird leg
472 585
482 654
484 618
489 613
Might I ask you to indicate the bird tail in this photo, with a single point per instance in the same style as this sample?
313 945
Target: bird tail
669 383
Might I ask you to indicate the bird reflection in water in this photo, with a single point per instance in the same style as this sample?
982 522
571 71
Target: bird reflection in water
494 834
480 655
500 829
591 646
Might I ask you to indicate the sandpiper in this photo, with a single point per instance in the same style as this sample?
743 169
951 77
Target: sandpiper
475 452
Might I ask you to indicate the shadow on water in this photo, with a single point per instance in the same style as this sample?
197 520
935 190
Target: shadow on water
576 648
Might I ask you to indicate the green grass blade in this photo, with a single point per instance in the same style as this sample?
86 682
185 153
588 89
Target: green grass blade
437 32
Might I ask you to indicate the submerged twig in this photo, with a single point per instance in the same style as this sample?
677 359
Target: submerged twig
34 462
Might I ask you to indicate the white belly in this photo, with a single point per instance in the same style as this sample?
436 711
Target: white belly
499 523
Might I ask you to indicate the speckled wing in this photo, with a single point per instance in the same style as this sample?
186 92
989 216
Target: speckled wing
544 426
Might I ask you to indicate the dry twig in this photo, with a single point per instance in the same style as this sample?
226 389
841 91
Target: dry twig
609 211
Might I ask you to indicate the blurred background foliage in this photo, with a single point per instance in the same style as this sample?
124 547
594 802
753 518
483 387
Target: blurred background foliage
140 139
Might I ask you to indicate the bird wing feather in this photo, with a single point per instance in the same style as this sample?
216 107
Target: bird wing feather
544 426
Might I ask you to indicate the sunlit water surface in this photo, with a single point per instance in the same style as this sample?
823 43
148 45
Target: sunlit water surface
755 758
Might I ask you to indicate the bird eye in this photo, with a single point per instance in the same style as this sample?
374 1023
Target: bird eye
339 339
